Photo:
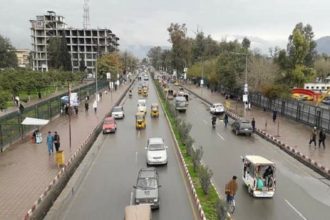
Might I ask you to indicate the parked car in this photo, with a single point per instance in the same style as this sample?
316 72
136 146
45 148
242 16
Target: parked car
217 108
118 112
242 127
147 187
156 151
109 125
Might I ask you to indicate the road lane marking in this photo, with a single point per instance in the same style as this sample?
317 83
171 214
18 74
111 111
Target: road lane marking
219 135
296 210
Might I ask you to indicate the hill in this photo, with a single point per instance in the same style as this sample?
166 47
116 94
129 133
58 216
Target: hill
323 45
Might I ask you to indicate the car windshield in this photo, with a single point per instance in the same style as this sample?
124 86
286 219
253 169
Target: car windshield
108 121
147 183
245 125
155 147
117 109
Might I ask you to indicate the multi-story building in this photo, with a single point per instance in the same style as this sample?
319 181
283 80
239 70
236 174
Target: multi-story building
22 57
83 44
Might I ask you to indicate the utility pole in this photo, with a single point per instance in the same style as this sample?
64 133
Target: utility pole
69 112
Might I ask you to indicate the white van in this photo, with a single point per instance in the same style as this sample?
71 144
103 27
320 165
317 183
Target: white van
259 176
138 212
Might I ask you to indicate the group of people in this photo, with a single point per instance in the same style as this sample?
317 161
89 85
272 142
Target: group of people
53 140
322 137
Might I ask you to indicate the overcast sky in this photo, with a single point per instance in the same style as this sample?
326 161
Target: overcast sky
140 23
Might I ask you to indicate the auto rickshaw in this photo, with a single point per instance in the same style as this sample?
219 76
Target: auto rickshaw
139 90
140 120
145 91
170 94
154 110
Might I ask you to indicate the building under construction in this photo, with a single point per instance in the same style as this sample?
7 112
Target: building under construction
83 44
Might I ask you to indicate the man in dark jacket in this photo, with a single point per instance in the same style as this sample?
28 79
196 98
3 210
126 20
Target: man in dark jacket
57 141
322 137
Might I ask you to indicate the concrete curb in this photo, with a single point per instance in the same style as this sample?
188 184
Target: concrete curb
40 207
317 167
184 165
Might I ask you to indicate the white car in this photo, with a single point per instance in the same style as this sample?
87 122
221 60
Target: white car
118 112
156 151
142 106
217 108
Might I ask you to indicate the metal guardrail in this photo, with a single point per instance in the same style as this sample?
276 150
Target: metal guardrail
11 129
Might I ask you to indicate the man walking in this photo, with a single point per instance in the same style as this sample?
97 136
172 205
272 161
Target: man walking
225 119
50 141
313 137
231 188
274 115
95 106
57 141
253 123
322 138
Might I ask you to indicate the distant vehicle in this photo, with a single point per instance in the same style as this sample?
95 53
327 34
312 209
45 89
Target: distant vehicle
109 125
140 120
146 78
170 94
142 107
138 212
242 127
156 151
326 101
180 103
259 176
118 112
217 108
154 110
147 187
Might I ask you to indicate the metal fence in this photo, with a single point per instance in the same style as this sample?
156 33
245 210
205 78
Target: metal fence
11 128
303 112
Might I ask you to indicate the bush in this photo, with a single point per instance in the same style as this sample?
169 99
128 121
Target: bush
205 174
221 209
196 157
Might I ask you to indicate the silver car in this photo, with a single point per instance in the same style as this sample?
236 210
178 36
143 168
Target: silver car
147 188
118 112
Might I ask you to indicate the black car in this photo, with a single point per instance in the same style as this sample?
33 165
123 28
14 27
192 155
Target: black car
242 127
147 187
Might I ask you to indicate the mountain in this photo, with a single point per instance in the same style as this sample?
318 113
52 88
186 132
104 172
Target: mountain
139 50
323 45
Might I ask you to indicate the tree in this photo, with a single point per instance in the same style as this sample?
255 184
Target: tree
111 63
58 54
181 46
322 67
246 43
205 174
155 55
8 56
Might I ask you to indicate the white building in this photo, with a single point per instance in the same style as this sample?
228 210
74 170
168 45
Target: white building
83 44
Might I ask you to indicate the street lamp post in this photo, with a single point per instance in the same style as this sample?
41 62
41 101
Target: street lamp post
246 87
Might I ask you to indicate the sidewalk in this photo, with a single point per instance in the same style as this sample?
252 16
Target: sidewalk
286 130
26 169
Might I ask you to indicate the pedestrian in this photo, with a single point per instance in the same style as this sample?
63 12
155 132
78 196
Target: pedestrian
17 100
50 140
274 115
313 137
100 94
95 106
57 142
231 189
322 138
253 123
249 106
225 119
66 109
76 109
86 106
21 108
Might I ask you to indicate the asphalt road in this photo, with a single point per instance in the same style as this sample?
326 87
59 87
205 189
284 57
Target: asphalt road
301 193
106 189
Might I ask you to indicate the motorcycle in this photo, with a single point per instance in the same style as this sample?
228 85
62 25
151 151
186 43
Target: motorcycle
213 122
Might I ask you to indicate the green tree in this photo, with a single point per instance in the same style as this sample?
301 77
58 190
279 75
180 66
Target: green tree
155 57
111 63
246 43
8 56
58 54
181 46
